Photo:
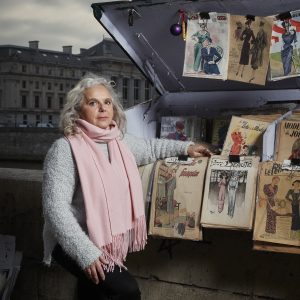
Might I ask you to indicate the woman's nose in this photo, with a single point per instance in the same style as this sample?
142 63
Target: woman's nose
101 107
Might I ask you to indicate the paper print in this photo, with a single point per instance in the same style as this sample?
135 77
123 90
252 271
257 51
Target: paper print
228 200
244 137
182 128
285 52
249 49
287 140
277 217
176 199
206 54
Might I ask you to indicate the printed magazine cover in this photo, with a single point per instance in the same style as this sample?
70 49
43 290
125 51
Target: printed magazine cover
176 199
250 42
219 131
206 54
229 196
287 140
244 137
277 217
147 176
182 128
284 52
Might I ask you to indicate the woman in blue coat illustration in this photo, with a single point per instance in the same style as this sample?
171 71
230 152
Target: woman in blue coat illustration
288 38
209 58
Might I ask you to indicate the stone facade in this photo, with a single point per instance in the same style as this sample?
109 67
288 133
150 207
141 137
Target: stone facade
34 82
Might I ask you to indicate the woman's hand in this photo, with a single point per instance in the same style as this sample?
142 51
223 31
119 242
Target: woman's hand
95 271
198 150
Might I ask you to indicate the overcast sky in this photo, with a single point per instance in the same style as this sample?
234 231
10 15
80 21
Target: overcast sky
54 23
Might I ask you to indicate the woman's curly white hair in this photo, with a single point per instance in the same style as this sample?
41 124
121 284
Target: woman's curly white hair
71 111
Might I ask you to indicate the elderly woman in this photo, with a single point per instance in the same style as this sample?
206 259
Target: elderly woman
92 195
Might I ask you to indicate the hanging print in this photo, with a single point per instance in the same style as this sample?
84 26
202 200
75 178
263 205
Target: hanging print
228 200
287 140
147 176
244 137
249 48
178 128
277 217
177 198
285 52
206 54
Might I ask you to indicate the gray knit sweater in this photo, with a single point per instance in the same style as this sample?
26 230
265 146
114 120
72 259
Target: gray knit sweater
63 205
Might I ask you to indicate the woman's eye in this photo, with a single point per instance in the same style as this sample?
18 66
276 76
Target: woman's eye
108 101
92 103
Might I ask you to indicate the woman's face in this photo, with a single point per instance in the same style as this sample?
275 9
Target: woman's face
286 26
296 185
202 26
97 106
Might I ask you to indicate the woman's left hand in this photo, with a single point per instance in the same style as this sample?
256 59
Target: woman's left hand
198 150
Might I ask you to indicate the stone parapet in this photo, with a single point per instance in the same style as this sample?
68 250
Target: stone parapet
26 143
224 266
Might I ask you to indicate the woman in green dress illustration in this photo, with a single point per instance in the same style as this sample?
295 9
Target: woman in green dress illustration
199 36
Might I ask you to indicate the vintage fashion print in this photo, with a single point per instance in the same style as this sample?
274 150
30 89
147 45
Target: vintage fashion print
285 52
206 54
250 41
277 217
228 200
177 198
244 137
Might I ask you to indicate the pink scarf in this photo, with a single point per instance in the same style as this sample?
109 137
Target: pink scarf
112 192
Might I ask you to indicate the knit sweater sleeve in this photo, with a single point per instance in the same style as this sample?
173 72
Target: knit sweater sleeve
147 151
59 182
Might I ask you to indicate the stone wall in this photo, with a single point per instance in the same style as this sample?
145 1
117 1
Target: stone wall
21 216
26 143
224 266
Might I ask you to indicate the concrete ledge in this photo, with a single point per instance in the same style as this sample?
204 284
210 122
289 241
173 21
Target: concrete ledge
170 291
39 282
26 143
21 175
224 266
21 215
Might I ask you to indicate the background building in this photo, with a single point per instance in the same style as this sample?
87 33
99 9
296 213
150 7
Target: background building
34 82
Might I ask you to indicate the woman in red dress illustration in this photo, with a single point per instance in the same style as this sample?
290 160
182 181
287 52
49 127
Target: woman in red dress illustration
270 191
238 142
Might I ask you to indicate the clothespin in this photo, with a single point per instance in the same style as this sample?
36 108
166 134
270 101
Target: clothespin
183 157
204 15
183 23
295 161
234 158
250 18
284 16
131 12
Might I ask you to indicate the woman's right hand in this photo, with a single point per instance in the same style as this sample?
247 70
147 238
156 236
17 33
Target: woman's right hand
95 271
